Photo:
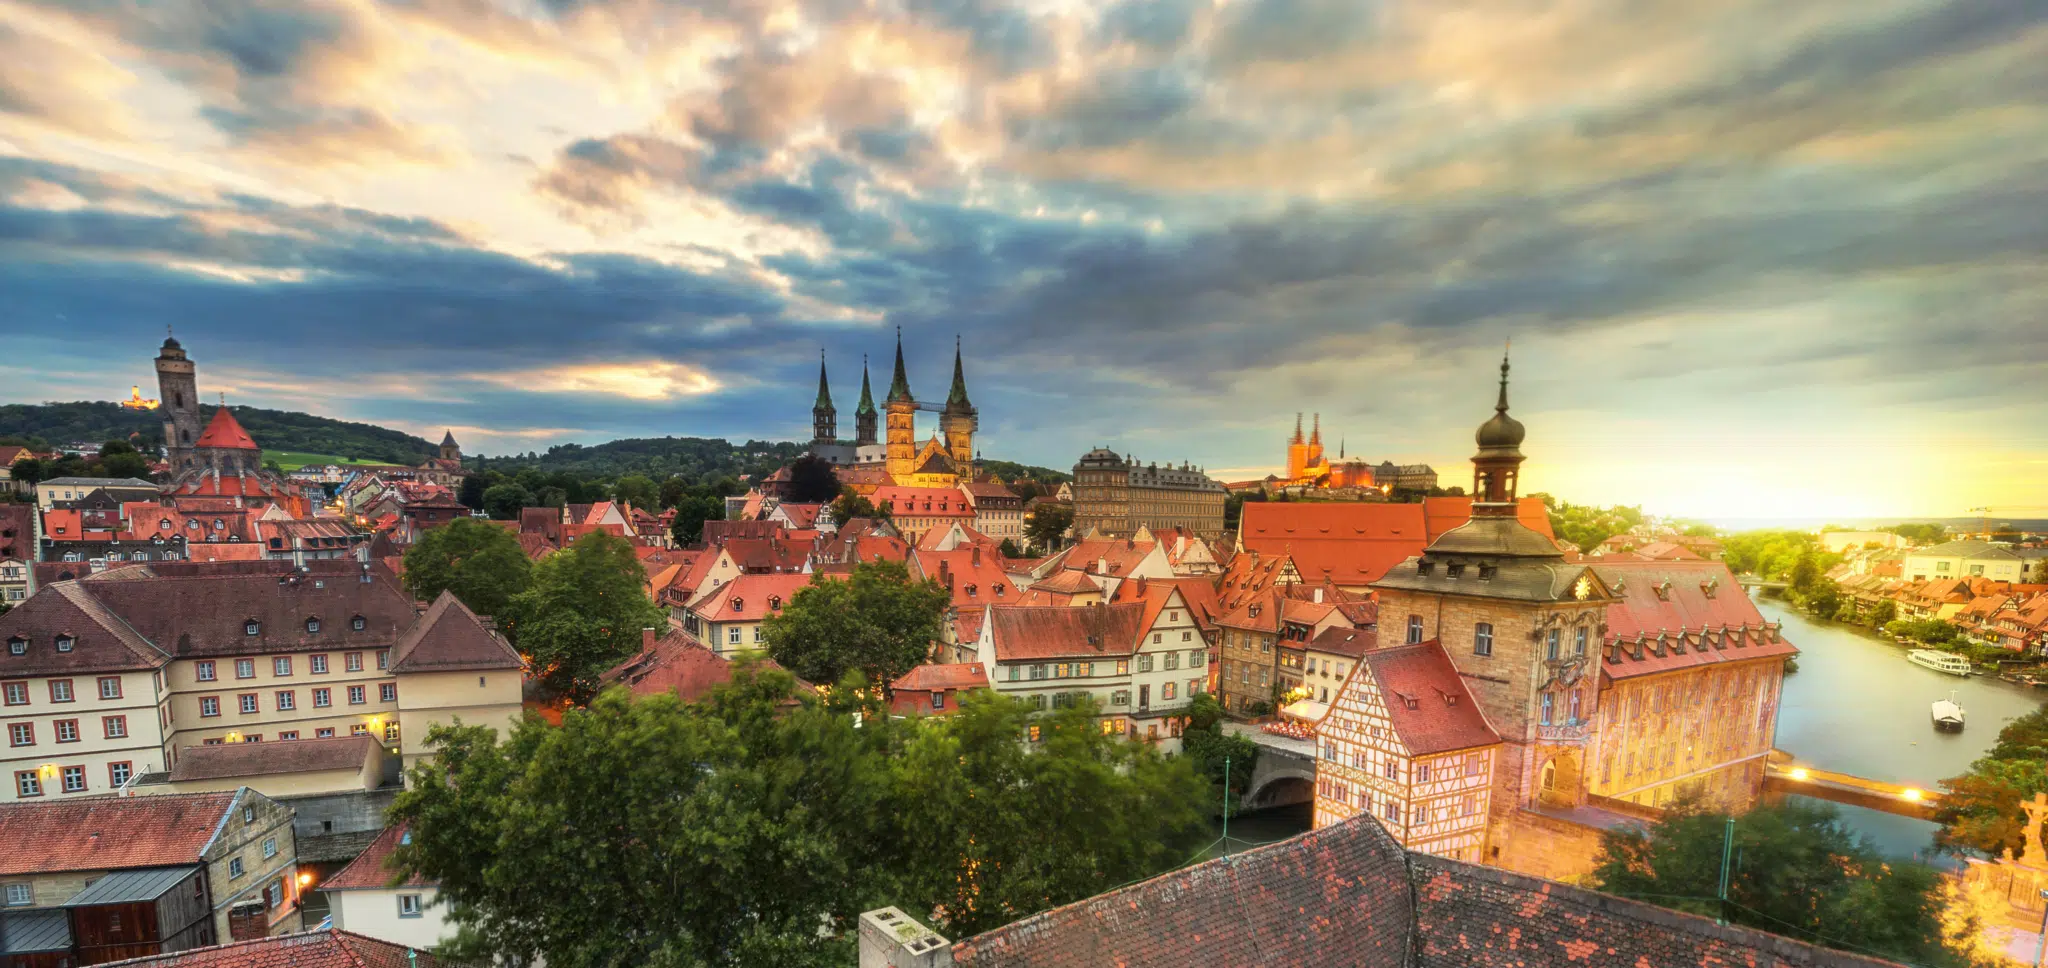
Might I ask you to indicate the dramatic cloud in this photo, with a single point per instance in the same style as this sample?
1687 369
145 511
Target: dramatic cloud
1752 257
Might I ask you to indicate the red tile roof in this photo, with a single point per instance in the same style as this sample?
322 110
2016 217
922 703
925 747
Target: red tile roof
1023 633
751 598
1425 697
944 676
1338 640
450 638
1114 557
923 502
676 663
316 949
109 833
224 431
1350 544
1068 582
371 868
1680 600
974 576
265 759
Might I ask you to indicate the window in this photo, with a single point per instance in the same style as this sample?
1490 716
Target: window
1482 639
67 730
245 668
1083 668
289 734
732 636
357 623
355 696
1061 670
938 700
353 661
64 643
281 666
1034 734
20 895
1166 691
209 705
1187 636
1422 773
312 625
234 867
21 734
203 671
269 847
1123 667
1172 661
1155 638
26 784
318 664
252 627
248 702
1551 641
287 699
1579 641
273 895
1548 701
1144 663
408 905
1038 671
74 779
323 698
384 655
16 693
1575 707
1414 629
1393 811
60 690
17 646
1393 768
324 732
110 687
116 727
1013 673
387 692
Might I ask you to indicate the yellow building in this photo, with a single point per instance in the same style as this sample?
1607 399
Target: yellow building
112 676
949 458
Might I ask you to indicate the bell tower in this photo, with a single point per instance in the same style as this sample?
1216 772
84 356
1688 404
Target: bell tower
1297 452
864 415
902 420
959 420
1498 464
178 390
824 418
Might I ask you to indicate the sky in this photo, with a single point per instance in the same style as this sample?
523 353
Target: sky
1755 258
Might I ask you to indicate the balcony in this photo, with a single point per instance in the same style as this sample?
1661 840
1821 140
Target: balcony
1569 731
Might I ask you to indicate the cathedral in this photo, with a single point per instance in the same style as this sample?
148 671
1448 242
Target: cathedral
946 459
218 460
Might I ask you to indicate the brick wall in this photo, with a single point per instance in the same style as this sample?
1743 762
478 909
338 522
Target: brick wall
1544 846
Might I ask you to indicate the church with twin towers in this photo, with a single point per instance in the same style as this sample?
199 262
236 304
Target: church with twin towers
895 456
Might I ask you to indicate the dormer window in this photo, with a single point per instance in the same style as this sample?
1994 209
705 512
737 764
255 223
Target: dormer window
252 627
738 603
218 524
17 646
1710 586
312 625
1000 589
1486 572
775 602
1663 591
1423 568
64 643
972 590
164 525
357 624
1454 571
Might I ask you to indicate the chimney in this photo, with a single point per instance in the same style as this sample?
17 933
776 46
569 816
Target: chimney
890 939
974 556
1319 594
1102 566
248 922
647 639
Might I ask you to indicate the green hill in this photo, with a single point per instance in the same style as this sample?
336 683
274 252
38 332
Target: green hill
49 424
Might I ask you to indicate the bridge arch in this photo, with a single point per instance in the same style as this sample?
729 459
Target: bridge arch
1279 789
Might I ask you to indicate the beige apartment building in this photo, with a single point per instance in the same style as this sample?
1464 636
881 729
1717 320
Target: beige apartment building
109 677
1117 496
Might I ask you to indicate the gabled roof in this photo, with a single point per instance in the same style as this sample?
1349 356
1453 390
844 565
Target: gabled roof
109 833
1089 631
226 433
1338 640
751 598
371 869
265 759
315 949
940 676
450 638
1068 582
1431 710
1682 600
100 640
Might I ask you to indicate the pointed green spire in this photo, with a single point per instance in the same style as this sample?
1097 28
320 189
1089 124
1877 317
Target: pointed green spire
957 399
824 388
867 397
899 388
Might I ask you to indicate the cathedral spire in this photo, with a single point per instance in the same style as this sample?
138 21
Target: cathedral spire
824 388
1316 437
1297 428
957 399
824 417
867 397
899 388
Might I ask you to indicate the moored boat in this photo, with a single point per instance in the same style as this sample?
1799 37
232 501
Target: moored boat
1950 663
1947 714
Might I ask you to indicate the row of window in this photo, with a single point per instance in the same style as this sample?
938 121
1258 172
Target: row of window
1168 692
24 734
15 693
71 779
205 671
324 732
1420 813
1482 638
287 700
1116 725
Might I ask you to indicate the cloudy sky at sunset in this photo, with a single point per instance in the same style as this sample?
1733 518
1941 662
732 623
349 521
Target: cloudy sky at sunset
1756 258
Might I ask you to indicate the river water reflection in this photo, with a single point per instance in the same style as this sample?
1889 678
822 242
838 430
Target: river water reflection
1857 706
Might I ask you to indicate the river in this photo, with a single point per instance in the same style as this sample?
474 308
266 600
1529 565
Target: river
1857 706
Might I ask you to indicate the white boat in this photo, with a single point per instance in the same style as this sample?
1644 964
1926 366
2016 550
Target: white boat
1947 714
1948 662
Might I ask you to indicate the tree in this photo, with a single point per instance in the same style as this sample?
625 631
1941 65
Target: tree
1798 871
812 481
636 490
1008 549
1002 829
691 513
673 489
1218 756
480 562
471 491
1920 534
1980 809
877 622
551 497
1048 524
1884 613
849 505
505 501
582 614
1804 572
29 470
131 464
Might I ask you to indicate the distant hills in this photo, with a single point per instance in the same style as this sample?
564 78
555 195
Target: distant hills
53 424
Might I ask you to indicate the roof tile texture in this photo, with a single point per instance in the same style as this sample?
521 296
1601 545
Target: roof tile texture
109 833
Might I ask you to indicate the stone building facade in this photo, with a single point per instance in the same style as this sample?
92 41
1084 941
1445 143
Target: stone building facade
1115 495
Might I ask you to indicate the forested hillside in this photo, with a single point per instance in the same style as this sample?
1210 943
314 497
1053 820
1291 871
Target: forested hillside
52 424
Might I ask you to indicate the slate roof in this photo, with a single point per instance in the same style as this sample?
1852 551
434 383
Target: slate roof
34 930
1969 548
450 638
101 641
371 870
109 833
264 759
1431 709
125 887
199 615
1027 633
313 949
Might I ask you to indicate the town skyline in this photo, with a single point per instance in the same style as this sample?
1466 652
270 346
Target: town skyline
1752 267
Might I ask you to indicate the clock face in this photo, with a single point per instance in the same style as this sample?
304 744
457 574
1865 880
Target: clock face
1584 589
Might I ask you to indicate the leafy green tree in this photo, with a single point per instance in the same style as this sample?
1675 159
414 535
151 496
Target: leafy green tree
1798 871
1008 549
1979 809
1920 534
480 562
849 505
877 622
812 480
691 513
1206 746
1823 597
132 464
1048 524
582 614
1884 613
1805 571
638 491
1001 829
673 489
551 497
29 470
471 491
505 501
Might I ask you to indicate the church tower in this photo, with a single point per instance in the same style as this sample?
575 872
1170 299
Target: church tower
959 420
1297 453
1315 443
864 415
902 421
824 419
1498 464
178 389
450 450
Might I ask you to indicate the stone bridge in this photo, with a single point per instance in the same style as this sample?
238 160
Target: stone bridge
1286 772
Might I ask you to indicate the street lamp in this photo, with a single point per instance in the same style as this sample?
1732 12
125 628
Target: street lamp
1799 773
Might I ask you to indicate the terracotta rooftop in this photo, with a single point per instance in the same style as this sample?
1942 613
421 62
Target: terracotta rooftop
314 949
751 598
937 676
265 759
1696 607
1432 712
109 833
1090 631
1338 640
224 431
370 869
673 663
450 638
